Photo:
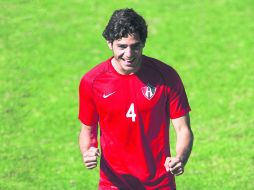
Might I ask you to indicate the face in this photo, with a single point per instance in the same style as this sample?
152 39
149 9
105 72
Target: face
127 54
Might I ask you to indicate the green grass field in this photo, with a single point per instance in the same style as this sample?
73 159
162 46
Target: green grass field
46 47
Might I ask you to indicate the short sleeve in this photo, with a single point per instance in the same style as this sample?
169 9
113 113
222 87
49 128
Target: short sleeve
88 114
178 104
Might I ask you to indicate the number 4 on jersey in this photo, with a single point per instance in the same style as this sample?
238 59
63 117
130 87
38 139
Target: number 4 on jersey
131 113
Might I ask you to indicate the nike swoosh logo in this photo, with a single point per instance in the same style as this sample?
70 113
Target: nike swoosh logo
107 95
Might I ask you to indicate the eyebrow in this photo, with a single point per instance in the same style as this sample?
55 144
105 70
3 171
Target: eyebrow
135 44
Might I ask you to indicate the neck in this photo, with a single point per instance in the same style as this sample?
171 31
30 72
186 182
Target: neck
121 71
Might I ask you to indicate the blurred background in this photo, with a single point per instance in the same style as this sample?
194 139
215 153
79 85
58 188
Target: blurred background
47 46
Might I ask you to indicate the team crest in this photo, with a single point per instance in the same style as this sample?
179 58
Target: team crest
148 91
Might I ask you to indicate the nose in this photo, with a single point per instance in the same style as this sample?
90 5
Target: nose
128 52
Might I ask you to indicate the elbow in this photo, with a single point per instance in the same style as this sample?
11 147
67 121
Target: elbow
191 136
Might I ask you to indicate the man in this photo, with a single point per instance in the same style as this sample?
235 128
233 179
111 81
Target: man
133 97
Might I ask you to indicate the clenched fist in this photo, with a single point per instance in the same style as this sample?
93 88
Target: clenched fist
174 165
90 157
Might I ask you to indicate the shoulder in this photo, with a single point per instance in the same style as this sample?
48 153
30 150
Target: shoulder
167 71
96 71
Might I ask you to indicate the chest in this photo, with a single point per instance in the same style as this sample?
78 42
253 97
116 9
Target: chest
129 95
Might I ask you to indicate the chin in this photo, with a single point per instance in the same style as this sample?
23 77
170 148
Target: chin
130 69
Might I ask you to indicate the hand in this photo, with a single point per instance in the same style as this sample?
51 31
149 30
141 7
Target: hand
174 165
90 157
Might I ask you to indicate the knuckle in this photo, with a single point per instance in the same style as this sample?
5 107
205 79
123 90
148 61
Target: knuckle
90 166
85 160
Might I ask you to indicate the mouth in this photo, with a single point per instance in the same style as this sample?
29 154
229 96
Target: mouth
129 61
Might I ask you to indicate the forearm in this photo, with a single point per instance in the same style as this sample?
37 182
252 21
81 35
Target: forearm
87 138
184 144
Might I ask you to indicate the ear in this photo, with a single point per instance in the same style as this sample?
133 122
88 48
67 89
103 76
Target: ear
110 45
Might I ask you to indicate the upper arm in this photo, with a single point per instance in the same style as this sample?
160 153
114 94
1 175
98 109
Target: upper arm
178 104
182 123
87 108
89 130
86 128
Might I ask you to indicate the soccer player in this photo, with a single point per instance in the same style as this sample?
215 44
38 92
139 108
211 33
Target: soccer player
133 97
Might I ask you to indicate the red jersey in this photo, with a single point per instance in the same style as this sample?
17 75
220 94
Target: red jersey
133 112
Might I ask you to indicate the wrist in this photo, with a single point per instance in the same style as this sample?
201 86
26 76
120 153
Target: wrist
182 158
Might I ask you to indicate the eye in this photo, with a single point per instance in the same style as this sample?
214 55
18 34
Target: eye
122 46
136 46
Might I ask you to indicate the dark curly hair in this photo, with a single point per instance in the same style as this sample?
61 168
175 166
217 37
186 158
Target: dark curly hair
124 22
